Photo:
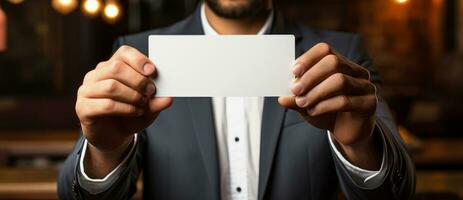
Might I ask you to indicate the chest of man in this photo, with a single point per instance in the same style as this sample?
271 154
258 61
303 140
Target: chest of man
182 156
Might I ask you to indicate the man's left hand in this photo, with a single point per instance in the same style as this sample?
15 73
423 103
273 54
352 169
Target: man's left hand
336 94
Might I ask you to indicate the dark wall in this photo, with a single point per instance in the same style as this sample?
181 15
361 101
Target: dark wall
413 46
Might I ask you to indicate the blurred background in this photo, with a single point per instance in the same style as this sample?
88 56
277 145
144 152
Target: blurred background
46 47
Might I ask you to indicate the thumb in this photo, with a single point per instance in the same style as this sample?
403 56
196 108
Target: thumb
288 102
158 104
155 105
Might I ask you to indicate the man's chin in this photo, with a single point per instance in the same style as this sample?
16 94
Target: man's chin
234 5
235 9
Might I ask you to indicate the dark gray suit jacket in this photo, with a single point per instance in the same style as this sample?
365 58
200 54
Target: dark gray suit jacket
178 152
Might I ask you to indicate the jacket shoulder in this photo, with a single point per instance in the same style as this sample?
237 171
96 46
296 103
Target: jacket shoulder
140 40
343 42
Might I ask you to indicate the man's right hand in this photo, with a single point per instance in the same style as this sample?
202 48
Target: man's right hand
116 100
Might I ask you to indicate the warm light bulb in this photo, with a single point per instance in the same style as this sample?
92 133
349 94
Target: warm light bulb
401 1
64 6
92 6
112 11
65 2
15 1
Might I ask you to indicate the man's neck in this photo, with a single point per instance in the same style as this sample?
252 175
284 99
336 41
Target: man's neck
226 26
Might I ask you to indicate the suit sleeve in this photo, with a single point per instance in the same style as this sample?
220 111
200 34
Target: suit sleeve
399 181
123 188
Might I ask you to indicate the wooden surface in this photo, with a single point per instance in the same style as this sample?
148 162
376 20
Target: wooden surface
33 183
52 143
41 184
444 152
439 165
36 143
40 135
28 183
440 182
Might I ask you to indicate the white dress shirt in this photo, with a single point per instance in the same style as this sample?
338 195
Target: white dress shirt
237 122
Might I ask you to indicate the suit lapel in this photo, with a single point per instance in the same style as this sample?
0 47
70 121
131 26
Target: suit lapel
202 118
273 115
203 123
272 120
193 23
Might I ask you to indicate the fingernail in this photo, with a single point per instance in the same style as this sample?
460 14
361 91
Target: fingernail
297 89
297 70
149 90
301 102
148 68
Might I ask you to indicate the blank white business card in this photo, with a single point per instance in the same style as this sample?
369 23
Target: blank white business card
230 65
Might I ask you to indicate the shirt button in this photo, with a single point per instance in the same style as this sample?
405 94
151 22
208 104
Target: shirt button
237 139
238 189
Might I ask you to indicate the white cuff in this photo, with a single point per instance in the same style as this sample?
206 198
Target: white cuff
362 177
95 186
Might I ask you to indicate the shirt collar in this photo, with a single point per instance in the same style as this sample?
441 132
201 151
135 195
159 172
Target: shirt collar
208 30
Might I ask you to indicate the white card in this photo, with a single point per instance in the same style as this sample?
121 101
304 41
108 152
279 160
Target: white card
231 65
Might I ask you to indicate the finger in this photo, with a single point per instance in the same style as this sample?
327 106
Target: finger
153 108
310 58
121 72
355 69
319 72
92 108
365 104
135 59
334 85
288 102
158 104
326 67
112 89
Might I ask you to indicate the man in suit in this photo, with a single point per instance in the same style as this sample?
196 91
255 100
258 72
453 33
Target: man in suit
335 132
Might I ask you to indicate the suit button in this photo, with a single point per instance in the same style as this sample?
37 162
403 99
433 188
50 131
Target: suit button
237 139
238 189
74 186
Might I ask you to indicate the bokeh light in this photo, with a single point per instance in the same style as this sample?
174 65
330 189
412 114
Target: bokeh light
91 7
112 11
64 6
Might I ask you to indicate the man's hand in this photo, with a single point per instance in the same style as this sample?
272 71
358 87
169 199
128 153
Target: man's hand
114 102
336 94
